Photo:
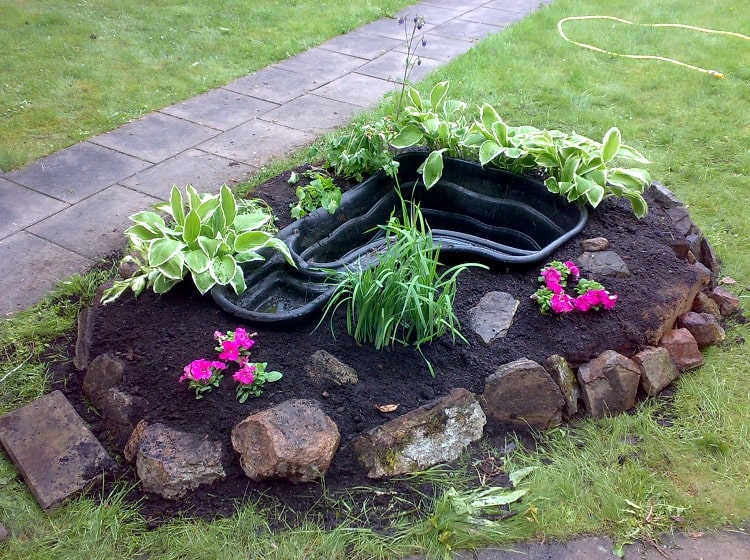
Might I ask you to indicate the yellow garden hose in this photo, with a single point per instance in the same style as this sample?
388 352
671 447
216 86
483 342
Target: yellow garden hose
713 73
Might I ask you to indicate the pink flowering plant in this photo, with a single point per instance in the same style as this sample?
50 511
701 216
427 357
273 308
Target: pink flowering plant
233 347
552 297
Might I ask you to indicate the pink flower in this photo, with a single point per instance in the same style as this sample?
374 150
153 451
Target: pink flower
586 301
218 335
554 286
561 303
573 269
245 375
244 340
231 350
201 370
551 274
610 301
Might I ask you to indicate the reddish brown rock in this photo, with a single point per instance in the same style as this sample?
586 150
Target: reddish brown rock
683 349
728 302
609 384
103 373
595 244
704 304
704 327
521 394
294 440
657 369
434 433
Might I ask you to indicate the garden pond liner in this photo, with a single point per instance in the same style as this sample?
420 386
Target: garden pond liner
479 213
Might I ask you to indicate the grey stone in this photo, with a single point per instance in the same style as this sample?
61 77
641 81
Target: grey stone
665 197
441 48
53 449
466 30
493 315
312 113
683 349
104 372
704 327
434 433
23 207
275 84
728 302
704 304
609 384
501 18
709 259
681 220
220 108
361 44
603 263
563 375
170 463
85 324
77 172
594 244
294 440
323 64
521 394
94 227
324 365
25 281
390 66
657 369
121 412
356 89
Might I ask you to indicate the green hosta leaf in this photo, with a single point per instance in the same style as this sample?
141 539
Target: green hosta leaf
611 144
174 267
228 205
204 281
162 284
176 205
415 98
151 220
489 116
281 247
438 93
432 168
197 261
251 221
223 269
139 232
162 250
410 135
632 179
194 199
489 151
638 204
250 240
272 376
583 187
238 280
431 125
209 245
630 153
192 227
569 169
248 256
207 208
451 106
519 474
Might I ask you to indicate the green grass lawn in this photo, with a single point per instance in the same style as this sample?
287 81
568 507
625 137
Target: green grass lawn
692 473
70 70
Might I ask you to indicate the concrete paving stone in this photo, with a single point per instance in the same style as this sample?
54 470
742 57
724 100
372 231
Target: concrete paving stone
466 30
206 172
312 113
361 44
257 142
220 108
500 17
321 64
520 6
155 137
94 227
275 84
441 48
356 89
461 5
30 267
77 172
390 66
431 13
53 448
389 27
20 207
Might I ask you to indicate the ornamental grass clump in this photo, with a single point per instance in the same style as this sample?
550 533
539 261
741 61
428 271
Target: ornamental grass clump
404 298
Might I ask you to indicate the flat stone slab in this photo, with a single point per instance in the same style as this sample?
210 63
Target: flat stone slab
53 448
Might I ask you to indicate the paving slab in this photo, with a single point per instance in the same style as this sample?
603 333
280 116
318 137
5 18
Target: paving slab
312 113
463 5
440 48
356 89
390 66
155 137
53 449
30 267
21 207
466 29
274 84
206 172
322 64
257 142
361 44
492 16
100 221
431 13
390 27
77 172
220 108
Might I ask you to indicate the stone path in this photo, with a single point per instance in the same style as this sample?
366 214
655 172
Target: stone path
63 213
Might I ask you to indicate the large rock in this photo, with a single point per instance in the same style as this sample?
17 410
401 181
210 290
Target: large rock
563 375
704 327
493 315
326 366
170 463
609 384
294 440
728 302
522 395
434 433
704 304
121 412
603 263
657 369
683 349
103 373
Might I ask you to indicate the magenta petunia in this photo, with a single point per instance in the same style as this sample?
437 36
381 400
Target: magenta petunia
561 303
573 269
554 286
245 375
201 370
551 274
244 339
231 350
609 301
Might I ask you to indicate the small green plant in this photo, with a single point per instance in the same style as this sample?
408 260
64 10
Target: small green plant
209 237
321 192
403 298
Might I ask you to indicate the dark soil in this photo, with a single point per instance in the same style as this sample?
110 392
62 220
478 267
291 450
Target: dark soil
158 335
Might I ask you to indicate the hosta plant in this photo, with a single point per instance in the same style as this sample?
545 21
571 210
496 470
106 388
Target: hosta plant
207 238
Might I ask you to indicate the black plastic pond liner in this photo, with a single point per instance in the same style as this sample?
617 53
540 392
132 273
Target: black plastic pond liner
484 214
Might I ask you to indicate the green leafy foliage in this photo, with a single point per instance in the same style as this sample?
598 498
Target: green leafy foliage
403 298
208 237
362 150
321 192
